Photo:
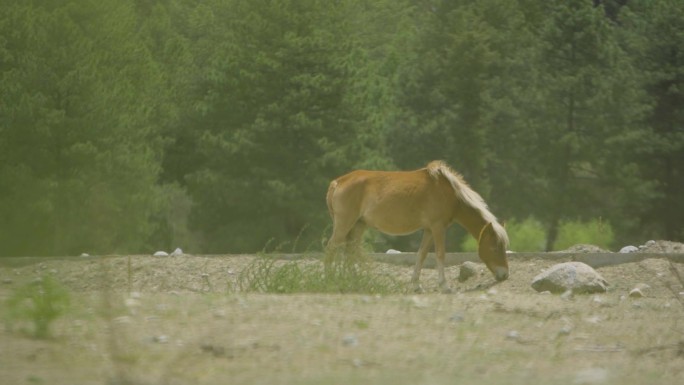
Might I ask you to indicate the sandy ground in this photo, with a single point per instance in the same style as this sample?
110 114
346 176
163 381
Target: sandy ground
183 320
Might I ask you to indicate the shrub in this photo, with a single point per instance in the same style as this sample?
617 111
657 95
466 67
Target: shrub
527 235
594 232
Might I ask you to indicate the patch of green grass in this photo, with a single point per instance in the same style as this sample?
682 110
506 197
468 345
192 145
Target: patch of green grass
39 302
269 275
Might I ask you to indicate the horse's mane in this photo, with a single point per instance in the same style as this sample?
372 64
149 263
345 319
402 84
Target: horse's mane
468 196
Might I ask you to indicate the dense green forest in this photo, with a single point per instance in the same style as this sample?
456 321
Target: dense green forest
131 126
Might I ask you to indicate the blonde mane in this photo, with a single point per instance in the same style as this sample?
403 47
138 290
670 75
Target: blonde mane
468 196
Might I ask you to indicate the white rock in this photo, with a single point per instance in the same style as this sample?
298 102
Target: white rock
636 293
177 253
577 277
85 255
629 249
161 254
392 251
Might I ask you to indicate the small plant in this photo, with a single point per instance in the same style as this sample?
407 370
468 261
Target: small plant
40 302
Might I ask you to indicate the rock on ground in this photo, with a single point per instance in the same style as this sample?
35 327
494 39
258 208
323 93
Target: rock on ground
468 269
577 277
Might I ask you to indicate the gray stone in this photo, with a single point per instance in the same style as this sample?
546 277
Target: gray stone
468 269
576 277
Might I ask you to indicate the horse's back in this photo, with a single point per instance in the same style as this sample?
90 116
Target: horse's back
396 202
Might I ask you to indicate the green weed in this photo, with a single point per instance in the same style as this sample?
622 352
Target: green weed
267 274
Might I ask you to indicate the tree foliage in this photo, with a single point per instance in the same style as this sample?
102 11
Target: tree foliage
147 124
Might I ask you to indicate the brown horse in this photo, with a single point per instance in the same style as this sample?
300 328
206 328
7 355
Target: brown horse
402 202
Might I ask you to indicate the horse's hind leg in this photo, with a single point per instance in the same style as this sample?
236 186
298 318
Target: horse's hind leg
342 226
439 235
422 254
354 240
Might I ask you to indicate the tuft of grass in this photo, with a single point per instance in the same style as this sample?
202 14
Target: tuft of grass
40 302
269 275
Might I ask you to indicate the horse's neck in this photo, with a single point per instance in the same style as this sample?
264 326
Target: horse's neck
471 219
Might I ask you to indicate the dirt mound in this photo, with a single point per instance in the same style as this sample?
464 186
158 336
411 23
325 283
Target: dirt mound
649 247
662 247
584 248
221 274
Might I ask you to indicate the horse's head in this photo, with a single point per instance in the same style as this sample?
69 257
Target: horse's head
491 247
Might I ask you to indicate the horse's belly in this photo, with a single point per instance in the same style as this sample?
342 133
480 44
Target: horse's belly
393 223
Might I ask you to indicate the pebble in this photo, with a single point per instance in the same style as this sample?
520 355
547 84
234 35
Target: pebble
219 313
419 302
122 320
457 317
161 339
177 253
640 290
392 251
350 340
132 302
160 254
591 376
513 335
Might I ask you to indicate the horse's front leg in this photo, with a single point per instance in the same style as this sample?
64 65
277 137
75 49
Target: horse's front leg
422 254
439 235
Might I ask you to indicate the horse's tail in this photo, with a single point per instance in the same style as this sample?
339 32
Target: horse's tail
329 197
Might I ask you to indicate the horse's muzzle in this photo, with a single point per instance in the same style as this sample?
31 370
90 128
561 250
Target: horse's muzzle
501 274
